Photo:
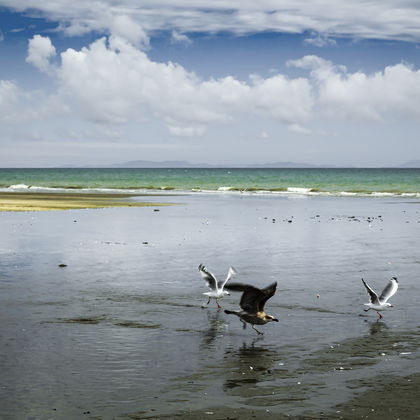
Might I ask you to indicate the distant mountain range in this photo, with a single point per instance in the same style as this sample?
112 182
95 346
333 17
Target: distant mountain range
185 164
411 164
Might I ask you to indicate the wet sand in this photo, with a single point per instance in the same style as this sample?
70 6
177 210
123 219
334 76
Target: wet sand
101 311
24 201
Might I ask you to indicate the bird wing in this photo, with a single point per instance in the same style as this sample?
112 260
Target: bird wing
208 277
253 299
373 296
249 298
390 290
231 273
268 291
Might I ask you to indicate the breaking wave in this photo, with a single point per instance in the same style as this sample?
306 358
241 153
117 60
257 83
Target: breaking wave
167 189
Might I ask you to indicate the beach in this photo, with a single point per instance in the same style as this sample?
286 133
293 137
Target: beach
48 201
101 308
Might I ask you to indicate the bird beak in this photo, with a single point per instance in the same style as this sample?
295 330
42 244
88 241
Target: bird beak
275 319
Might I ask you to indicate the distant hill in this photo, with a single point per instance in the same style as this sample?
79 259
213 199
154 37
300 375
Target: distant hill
411 164
152 164
185 164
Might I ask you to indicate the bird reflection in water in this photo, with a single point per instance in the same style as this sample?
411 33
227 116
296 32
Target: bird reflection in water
247 366
216 328
377 327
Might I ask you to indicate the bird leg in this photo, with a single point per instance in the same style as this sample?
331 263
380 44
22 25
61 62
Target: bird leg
218 304
380 316
243 324
204 306
259 332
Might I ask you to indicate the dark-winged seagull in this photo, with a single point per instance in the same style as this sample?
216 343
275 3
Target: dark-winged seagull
252 304
215 286
380 303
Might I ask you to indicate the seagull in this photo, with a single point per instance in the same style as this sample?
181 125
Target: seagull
216 287
379 303
252 304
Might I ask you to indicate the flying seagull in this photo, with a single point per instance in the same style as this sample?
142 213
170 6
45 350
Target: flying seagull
252 304
379 303
215 286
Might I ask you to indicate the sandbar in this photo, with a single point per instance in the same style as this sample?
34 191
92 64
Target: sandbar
27 201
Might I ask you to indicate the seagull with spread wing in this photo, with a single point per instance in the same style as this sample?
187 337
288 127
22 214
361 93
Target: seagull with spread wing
380 303
216 287
252 304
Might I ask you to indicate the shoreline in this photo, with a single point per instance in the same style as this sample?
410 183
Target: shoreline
29 201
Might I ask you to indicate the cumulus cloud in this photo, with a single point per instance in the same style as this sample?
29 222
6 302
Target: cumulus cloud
114 82
393 93
125 27
388 19
40 51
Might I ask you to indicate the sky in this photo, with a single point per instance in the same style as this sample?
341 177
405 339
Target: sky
323 82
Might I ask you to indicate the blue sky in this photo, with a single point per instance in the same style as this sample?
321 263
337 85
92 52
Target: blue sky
220 82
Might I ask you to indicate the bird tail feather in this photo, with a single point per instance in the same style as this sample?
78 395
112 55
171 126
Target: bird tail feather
230 312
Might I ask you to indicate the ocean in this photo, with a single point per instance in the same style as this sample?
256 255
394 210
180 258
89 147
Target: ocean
336 182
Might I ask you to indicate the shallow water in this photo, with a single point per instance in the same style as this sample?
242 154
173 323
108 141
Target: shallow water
120 332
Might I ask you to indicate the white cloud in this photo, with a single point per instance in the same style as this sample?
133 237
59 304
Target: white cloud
113 82
8 98
18 107
125 27
387 19
177 37
296 128
286 100
319 40
391 94
40 51
186 131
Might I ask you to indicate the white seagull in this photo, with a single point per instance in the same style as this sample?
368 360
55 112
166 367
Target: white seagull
380 303
215 286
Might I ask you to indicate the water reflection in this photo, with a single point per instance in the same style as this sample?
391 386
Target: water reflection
258 375
246 367
362 351
376 327
216 327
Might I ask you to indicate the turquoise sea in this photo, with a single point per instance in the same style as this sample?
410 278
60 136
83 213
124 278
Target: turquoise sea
359 182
